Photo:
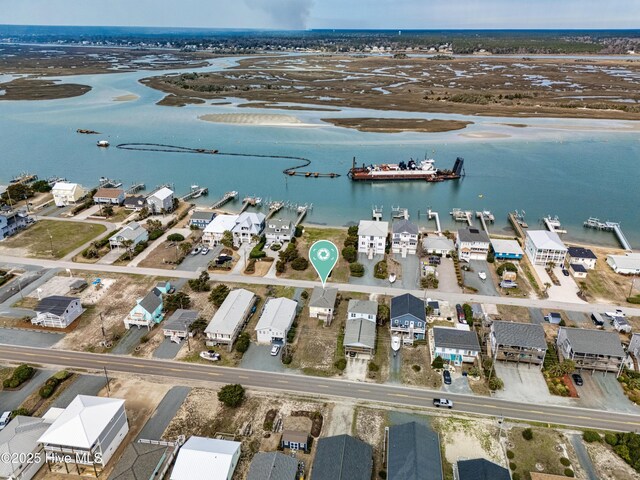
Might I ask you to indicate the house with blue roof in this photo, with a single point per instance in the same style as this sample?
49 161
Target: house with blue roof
408 318
413 453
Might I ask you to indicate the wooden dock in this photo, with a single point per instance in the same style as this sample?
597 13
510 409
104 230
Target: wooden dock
376 213
227 197
399 213
462 216
196 192
485 216
614 227
250 202
274 207
517 222
302 212
135 188
106 182
435 215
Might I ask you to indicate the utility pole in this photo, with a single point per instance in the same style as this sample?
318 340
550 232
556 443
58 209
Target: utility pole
51 241
633 281
107 377
104 335
186 330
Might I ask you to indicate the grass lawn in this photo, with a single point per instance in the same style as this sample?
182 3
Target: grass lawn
340 273
514 313
119 214
64 236
420 356
540 450
605 284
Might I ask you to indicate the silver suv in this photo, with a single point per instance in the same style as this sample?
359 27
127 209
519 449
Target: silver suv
442 402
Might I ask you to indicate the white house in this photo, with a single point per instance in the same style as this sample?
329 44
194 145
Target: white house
226 324
161 200
276 320
438 245
544 247
455 345
279 230
581 256
473 244
203 458
133 231
90 430
404 237
628 264
65 193
248 225
213 233
57 311
13 221
372 237
109 196
322 303
365 309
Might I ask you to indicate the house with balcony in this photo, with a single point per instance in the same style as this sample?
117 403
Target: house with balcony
11 222
57 311
472 244
147 311
322 303
132 232
506 249
279 230
200 219
228 321
518 342
214 232
248 225
454 345
408 318
109 196
544 247
581 256
404 237
372 237
161 201
276 320
65 193
591 350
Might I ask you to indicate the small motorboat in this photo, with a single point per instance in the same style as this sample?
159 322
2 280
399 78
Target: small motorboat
395 343
392 278
210 355
482 275
103 143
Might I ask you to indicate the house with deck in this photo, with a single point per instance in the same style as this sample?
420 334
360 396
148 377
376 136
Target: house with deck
200 219
404 237
408 318
591 350
438 245
472 244
12 222
518 342
454 345
627 264
279 230
322 303
66 193
544 247
177 326
161 201
57 311
275 321
581 256
364 309
372 237
248 226
132 232
109 196
506 249
229 320
147 311
135 202
214 232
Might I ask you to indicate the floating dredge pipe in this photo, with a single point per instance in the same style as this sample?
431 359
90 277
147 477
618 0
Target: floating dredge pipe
290 171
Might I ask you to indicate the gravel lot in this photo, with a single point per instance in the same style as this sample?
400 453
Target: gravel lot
522 383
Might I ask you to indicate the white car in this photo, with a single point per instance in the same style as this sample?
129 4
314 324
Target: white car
204 251
4 419
195 251
442 402
275 350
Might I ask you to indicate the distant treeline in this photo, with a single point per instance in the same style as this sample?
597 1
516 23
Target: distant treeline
460 41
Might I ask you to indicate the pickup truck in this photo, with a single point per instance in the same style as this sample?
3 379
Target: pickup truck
442 402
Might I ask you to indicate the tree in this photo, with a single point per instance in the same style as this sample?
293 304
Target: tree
496 383
227 239
547 286
127 244
298 232
384 314
351 242
107 211
380 270
357 269
352 231
153 225
289 254
300 264
243 342
350 254
231 395
185 247
175 237
198 326
219 294
281 266
200 284
562 369
41 186
340 364
527 434
177 300
438 363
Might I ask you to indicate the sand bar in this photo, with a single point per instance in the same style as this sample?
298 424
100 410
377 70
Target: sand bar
273 120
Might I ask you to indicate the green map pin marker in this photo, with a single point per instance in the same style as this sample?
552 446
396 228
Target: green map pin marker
324 256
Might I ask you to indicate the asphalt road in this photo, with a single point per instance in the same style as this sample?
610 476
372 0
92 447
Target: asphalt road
346 287
326 387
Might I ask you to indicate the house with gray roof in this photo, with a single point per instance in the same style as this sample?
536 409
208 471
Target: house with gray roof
140 461
455 345
413 453
480 469
57 311
518 342
273 466
19 439
147 311
342 457
133 232
177 325
160 201
228 321
591 349
438 245
359 337
372 237
473 244
295 440
365 309
279 230
634 351
408 318
404 237
200 219
322 303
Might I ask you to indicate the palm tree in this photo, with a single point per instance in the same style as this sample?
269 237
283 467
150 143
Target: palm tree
127 244
547 286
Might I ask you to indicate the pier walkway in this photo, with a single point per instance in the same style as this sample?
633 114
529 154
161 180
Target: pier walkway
227 197
435 215
614 227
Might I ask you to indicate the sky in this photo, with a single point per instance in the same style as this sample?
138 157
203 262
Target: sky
302 14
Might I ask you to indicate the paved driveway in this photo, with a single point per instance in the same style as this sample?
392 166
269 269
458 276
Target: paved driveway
82 385
258 357
603 392
459 384
447 279
10 400
193 262
580 319
536 316
410 278
167 350
368 278
29 338
524 384
165 411
471 279
130 340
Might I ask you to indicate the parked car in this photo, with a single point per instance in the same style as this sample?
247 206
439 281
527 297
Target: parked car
446 376
577 379
508 284
222 259
275 350
204 251
597 319
442 402
565 272
196 251
4 419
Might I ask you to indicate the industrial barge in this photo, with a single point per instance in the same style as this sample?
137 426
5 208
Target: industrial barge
423 170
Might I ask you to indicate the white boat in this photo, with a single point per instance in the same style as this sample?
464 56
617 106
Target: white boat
482 275
395 343
392 278
103 143
210 355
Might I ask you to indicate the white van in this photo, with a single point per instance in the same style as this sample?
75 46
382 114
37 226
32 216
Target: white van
4 419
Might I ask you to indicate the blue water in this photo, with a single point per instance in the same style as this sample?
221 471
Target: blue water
549 168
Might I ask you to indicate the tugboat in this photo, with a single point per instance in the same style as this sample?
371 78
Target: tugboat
103 143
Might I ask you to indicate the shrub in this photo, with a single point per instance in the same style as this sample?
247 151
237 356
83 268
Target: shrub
611 439
416 368
304 294
352 231
275 247
384 313
231 395
565 461
21 374
219 294
491 257
257 251
251 266
20 411
290 253
527 434
340 364
175 237
281 266
373 367
155 234
510 454
356 269
380 270
351 242
382 474
298 231
591 436
569 473
300 264
438 363
515 476
512 466
242 343
496 383
350 254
